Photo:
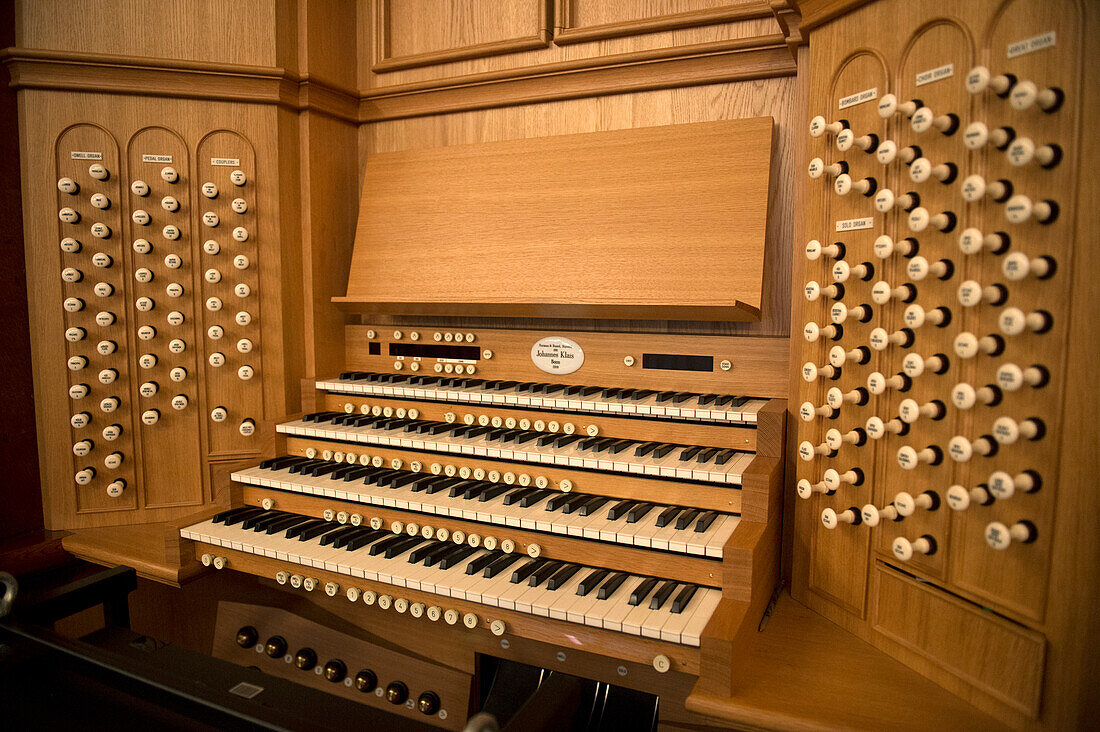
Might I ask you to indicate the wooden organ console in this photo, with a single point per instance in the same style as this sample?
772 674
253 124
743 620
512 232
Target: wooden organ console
383 366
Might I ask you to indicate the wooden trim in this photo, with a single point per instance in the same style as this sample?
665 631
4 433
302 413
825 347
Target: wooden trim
567 33
738 311
818 12
384 62
51 70
759 57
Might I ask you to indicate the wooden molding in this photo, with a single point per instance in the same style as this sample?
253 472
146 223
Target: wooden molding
817 12
568 33
384 62
52 70
737 311
759 57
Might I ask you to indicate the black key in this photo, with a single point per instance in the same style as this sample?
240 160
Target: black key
320 470
637 513
493 491
665 396
362 540
442 485
440 428
385 544
706 454
573 390
626 393
478 431
502 385
341 542
544 573
482 562
557 501
517 495
378 478
459 488
407 543
611 585
524 388
705 521
456 557
591 582
496 435
475 490
335 534
619 510
526 437
462 430
661 450
662 594
296 531
358 473
611 393
683 598
421 553
402 480
645 448
562 576
315 531
525 571
532 499
343 470
642 394
564 440
500 564
589 391
554 388
227 515
682 397
724 457
253 519
545 440
684 520
278 463
320 416
422 483
260 523
574 502
620 445
667 515
706 399
285 524
689 453
642 591
593 505
300 467
343 419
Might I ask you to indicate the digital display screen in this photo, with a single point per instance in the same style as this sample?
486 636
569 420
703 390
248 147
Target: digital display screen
435 350
677 362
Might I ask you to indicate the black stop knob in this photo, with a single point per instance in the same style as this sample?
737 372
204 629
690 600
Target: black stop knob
247 636
275 646
305 659
428 703
397 692
366 681
335 671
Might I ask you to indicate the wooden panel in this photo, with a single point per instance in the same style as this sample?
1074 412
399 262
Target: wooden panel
452 686
757 365
207 30
994 654
471 29
501 211
763 97
1038 581
584 20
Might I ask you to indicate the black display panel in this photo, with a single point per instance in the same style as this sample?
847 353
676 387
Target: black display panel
435 350
677 362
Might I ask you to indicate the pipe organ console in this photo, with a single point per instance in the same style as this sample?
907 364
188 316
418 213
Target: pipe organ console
387 371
